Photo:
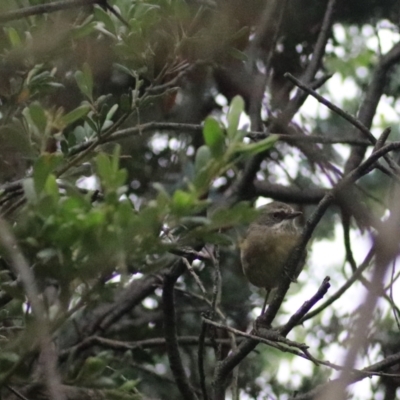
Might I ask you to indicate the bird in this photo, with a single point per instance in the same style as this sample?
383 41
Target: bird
267 245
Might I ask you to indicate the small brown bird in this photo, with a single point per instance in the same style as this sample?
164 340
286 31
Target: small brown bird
267 245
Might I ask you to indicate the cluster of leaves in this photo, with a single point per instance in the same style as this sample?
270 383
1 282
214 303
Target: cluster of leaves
73 238
103 78
79 239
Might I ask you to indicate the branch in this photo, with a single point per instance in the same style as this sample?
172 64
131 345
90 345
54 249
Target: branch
106 315
357 273
289 194
315 62
23 271
44 8
371 100
320 46
174 357
355 377
387 250
348 117
302 311
266 319
354 121
139 344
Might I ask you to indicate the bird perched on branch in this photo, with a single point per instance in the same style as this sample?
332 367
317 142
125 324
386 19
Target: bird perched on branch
267 245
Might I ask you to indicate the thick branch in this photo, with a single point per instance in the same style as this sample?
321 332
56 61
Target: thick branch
289 194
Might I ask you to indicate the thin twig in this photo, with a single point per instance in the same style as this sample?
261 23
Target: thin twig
356 376
303 310
320 45
44 8
200 360
354 121
194 275
318 53
356 275
266 319
16 392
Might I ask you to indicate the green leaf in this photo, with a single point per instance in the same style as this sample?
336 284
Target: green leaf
111 176
93 367
76 114
125 102
85 29
129 385
92 124
125 69
112 111
235 110
115 158
13 37
105 18
182 201
214 137
51 188
9 358
84 79
103 165
163 198
244 31
64 145
203 157
44 165
38 117
255 148
239 55
88 76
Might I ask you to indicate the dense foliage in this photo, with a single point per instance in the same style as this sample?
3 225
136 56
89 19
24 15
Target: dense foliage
136 138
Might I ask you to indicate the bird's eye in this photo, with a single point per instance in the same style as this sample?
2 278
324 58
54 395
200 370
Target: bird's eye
278 214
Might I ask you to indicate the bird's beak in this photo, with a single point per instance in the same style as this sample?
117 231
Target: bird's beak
293 214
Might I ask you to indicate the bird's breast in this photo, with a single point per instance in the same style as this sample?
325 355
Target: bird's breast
264 253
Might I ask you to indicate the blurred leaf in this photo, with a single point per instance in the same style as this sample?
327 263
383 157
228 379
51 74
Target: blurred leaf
112 111
163 198
103 164
255 148
7 358
92 368
203 157
129 385
44 166
84 80
101 15
92 124
183 201
51 188
38 117
76 114
125 103
16 291
240 213
85 29
214 137
239 55
111 176
244 31
13 37
235 111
